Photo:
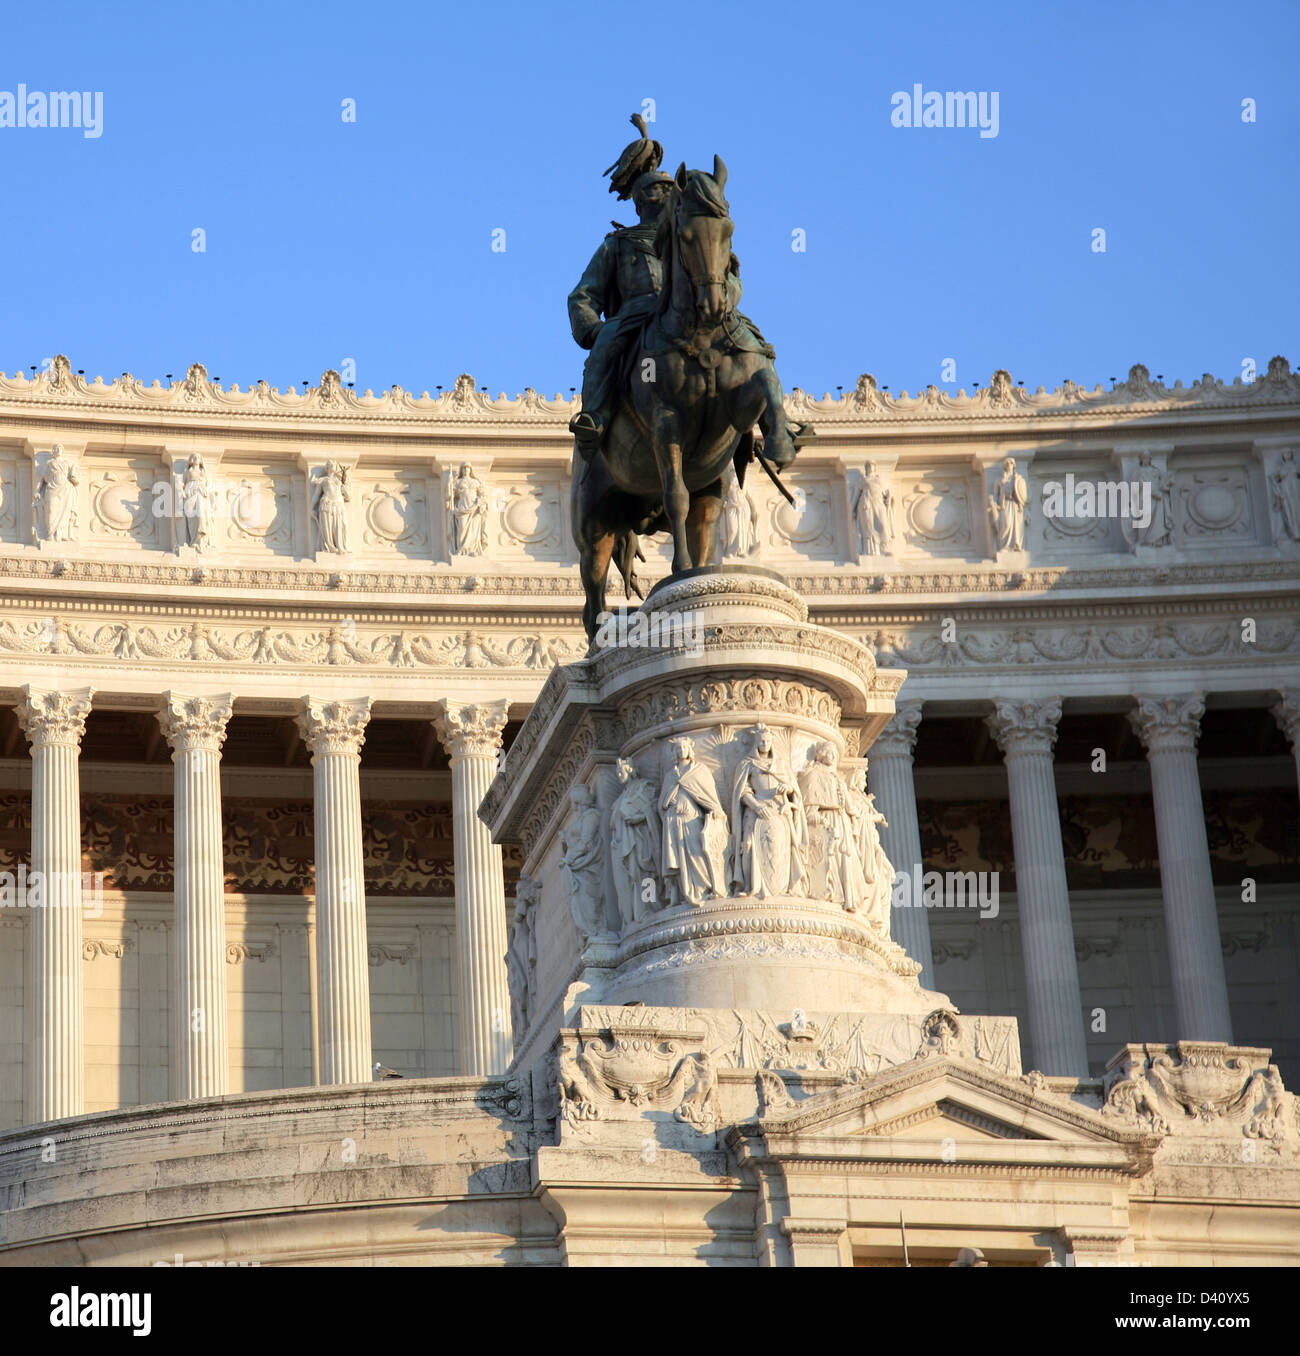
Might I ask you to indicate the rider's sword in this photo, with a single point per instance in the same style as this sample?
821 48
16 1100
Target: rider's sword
772 475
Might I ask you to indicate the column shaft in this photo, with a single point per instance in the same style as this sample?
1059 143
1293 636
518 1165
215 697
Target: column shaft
195 728
1170 727
334 731
1026 732
471 733
54 722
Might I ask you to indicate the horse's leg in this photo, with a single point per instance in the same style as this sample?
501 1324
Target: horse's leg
779 446
591 535
666 438
702 524
594 556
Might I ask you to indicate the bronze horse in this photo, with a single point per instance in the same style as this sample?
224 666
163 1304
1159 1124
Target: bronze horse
688 406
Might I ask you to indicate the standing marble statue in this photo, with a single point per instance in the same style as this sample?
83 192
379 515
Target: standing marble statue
329 504
56 496
1157 530
196 503
521 956
834 867
873 511
1286 494
467 506
739 521
694 832
769 831
1009 508
878 871
583 861
635 835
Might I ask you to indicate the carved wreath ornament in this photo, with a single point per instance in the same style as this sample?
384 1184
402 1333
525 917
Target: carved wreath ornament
637 1070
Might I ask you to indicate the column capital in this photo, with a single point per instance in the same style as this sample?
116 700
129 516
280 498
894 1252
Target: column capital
471 729
1167 723
898 738
333 726
1287 714
53 717
1024 726
190 723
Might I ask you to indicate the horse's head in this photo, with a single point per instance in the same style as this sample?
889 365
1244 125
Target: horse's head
703 227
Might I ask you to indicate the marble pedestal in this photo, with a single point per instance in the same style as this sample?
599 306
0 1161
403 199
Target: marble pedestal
658 955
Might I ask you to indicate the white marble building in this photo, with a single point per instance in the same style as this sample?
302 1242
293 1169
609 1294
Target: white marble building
260 653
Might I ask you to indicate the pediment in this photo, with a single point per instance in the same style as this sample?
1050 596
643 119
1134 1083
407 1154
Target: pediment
945 1098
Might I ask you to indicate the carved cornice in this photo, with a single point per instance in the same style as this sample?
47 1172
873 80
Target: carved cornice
992 639
746 694
846 581
54 718
1169 724
1025 727
898 738
191 723
334 726
471 729
554 797
330 402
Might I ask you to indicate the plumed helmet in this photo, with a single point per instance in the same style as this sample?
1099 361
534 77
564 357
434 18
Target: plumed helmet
638 159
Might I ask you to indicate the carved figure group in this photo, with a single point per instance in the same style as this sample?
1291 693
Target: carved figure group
694 830
521 956
835 867
814 835
635 836
769 832
583 860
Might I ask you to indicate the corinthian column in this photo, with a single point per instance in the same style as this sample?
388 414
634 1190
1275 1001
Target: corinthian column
54 723
890 762
1169 728
334 732
471 734
1026 734
1287 715
195 727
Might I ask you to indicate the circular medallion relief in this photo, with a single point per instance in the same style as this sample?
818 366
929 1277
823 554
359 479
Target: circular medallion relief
932 514
253 509
117 504
1215 506
387 516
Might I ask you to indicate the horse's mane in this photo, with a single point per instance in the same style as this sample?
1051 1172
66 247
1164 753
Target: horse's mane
705 196
703 191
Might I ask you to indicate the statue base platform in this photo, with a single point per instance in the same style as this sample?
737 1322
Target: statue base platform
714 735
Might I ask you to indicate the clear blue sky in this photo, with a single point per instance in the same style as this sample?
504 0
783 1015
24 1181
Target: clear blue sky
372 241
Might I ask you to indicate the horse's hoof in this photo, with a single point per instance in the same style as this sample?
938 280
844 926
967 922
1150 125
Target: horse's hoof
780 450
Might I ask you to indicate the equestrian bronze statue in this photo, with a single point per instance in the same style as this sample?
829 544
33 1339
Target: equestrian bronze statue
676 381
